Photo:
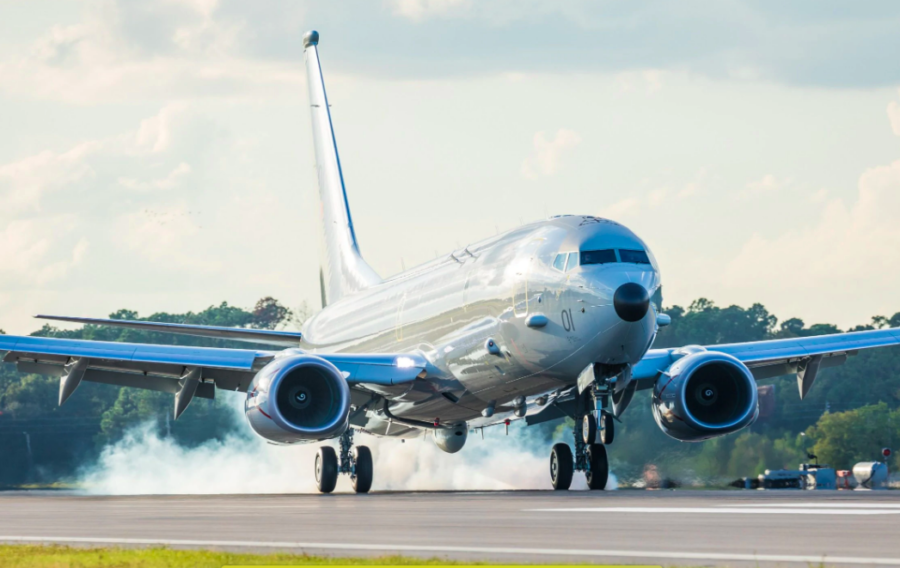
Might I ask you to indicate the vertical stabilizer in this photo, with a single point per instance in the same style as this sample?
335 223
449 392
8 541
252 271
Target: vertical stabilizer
342 269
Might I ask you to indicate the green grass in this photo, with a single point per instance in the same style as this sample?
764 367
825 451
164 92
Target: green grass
31 556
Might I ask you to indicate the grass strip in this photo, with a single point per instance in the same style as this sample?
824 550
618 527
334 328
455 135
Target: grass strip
55 556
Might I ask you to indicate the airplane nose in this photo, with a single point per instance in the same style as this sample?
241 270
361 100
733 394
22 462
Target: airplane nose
631 302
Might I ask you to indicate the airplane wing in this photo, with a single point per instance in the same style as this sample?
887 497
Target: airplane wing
765 359
168 368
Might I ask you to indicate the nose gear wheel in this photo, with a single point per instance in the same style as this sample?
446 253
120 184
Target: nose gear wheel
589 455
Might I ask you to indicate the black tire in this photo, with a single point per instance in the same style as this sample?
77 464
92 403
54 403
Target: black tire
561 467
362 475
589 428
598 464
607 429
326 469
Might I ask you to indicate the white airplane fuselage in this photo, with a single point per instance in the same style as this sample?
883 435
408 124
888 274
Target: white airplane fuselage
547 324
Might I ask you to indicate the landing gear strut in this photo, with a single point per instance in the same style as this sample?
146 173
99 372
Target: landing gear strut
355 461
594 429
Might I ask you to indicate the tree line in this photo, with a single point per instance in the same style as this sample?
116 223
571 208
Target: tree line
42 442
850 414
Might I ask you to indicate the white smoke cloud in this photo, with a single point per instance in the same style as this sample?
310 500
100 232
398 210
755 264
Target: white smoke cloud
143 463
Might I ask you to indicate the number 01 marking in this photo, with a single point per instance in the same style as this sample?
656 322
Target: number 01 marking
567 321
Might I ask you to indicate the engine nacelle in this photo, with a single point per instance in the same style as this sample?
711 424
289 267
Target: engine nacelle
451 440
703 395
298 398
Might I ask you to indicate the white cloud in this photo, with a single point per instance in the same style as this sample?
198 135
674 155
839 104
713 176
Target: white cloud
155 133
767 184
172 180
819 196
207 35
893 111
204 8
663 195
163 235
546 157
852 247
24 182
98 60
32 255
622 208
696 185
53 204
647 81
657 197
418 10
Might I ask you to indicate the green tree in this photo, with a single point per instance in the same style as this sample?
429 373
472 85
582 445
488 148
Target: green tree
269 313
40 441
754 453
704 323
845 438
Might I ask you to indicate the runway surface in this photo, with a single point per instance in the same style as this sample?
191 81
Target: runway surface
734 528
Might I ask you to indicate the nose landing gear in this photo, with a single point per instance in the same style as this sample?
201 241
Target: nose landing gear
594 429
355 461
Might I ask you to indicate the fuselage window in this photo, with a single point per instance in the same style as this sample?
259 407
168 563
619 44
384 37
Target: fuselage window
598 256
634 256
560 262
573 261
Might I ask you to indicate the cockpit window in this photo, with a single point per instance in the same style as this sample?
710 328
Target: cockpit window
573 261
560 262
634 256
598 256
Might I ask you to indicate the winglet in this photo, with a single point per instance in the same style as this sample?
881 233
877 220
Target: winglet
310 38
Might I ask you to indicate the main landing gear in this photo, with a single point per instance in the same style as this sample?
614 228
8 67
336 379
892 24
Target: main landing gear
594 429
356 461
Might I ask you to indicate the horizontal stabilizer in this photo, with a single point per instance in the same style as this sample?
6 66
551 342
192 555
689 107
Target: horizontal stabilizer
266 336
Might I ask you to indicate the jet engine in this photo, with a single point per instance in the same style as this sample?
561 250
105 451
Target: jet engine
703 395
298 398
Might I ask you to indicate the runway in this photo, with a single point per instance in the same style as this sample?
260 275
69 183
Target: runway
733 528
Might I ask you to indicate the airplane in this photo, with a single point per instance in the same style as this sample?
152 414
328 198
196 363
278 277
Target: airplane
550 320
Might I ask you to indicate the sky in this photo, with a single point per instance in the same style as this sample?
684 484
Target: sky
157 156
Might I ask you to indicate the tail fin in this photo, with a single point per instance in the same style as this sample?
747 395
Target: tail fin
343 270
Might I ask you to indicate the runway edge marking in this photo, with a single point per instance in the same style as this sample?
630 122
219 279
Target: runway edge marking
459 549
722 510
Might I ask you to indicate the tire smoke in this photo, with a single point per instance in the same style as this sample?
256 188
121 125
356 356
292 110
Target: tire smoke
143 462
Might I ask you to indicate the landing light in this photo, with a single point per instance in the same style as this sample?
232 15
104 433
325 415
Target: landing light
404 362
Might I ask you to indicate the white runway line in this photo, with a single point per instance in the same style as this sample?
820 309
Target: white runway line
850 505
723 509
655 554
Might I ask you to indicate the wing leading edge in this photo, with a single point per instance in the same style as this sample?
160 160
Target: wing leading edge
183 371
